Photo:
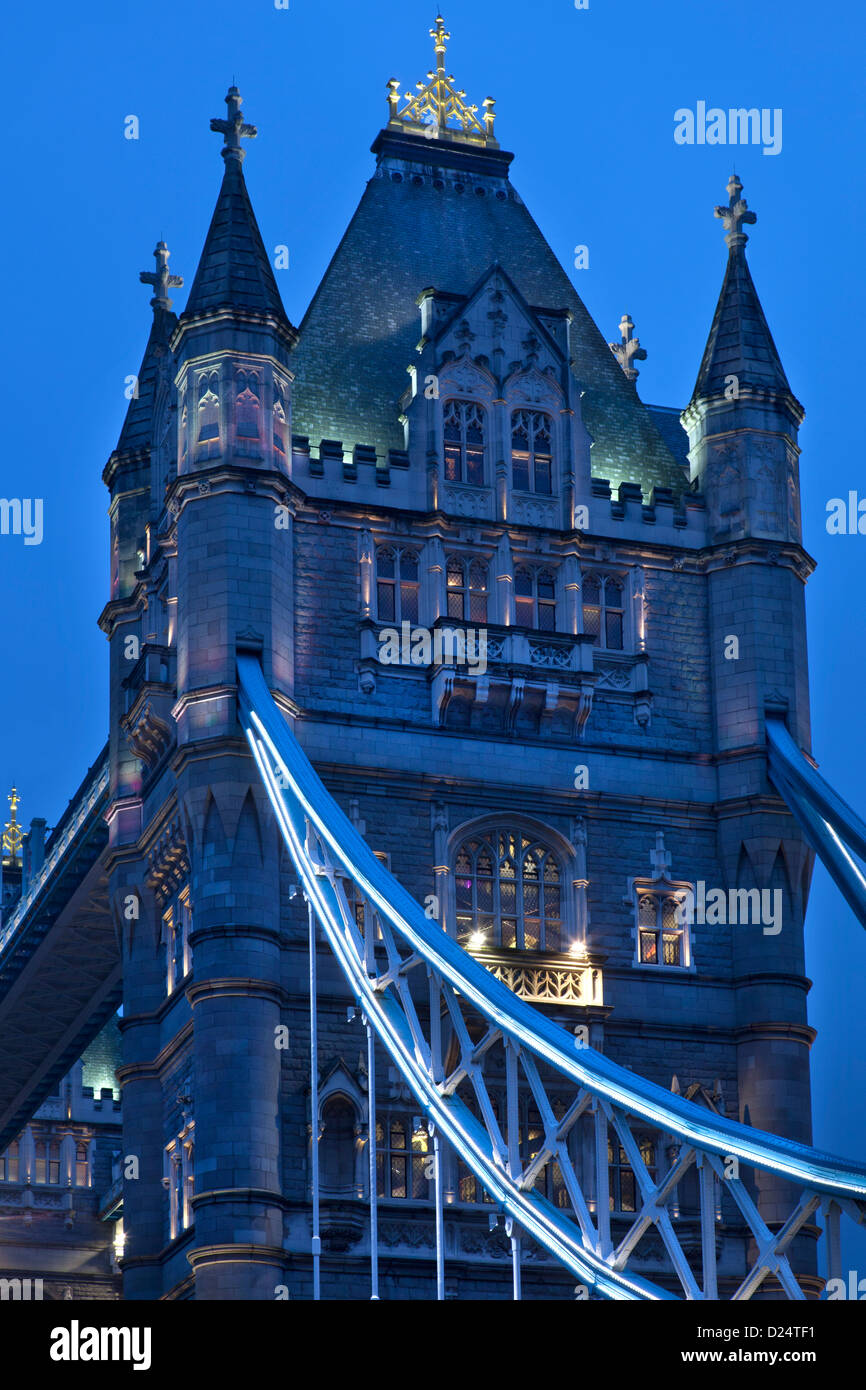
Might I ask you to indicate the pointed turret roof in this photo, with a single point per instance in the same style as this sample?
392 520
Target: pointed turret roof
234 270
740 343
137 427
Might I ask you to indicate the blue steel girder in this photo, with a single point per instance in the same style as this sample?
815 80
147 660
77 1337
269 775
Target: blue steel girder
397 944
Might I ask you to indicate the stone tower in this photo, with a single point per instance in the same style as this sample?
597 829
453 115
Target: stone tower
743 421
447 441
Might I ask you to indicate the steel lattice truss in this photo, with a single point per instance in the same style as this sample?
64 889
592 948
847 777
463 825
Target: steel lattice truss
471 1052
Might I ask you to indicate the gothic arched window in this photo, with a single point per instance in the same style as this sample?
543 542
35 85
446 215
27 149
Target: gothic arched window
247 406
466 584
280 416
397 585
208 434
188 1170
337 1145
535 599
509 891
464 442
531 452
184 420
604 610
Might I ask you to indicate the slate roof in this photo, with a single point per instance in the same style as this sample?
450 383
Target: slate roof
667 421
740 342
138 424
361 329
234 268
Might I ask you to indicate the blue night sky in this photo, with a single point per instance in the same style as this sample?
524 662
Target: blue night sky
586 99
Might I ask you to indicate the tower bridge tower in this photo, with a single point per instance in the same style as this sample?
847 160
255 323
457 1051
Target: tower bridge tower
447 442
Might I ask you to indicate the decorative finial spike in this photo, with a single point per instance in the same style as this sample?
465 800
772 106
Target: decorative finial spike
628 349
735 214
160 278
13 835
234 128
439 109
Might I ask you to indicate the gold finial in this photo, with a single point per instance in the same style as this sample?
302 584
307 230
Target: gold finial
13 834
439 110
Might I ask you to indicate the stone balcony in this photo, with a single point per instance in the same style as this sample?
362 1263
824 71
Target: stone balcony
502 679
546 977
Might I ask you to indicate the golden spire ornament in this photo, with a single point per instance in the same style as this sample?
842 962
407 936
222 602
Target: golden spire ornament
13 834
439 109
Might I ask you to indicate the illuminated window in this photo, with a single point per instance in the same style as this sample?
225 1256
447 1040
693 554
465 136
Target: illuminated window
535 599
661 936
176 930
531 456
604 610
549 1182
47 1161
9 1164
403 1151
623 1185
82 1167
179 1170
188 1175
397 585
464 442
509 892
466 584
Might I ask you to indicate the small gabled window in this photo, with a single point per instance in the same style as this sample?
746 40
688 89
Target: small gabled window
464 442
661 933
531 454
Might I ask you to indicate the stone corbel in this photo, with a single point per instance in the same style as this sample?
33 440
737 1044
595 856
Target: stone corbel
441 691
585 692
515 700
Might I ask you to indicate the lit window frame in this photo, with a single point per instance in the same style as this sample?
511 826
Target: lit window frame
470 597
405 592
664 892
544 609
603 609
538 463
464 461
